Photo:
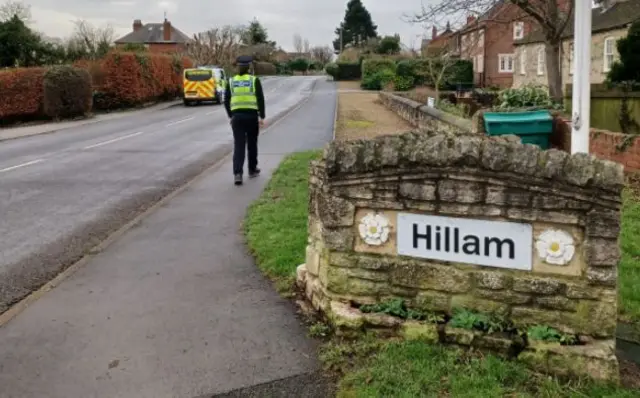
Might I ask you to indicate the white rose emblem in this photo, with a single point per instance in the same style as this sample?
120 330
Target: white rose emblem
374 229
555 247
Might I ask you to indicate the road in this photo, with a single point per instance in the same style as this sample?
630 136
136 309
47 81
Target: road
176 307
62 193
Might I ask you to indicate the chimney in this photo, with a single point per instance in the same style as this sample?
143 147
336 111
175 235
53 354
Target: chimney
434 33
166 28
137 25
470 19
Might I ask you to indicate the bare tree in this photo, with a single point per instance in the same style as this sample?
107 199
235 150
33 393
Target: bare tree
307 47
94 41
10 8
298 45
217 46
322 54
550 16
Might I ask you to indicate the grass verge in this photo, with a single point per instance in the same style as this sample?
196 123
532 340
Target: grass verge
629 273
276 223
276 230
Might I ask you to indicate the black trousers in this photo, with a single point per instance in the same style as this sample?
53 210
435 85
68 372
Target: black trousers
245 138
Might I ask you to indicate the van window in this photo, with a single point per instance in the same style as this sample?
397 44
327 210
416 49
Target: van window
198 75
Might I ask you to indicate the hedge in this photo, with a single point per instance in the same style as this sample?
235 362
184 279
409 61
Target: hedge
265 69
129 79
67 92
377 73
21 93
349 71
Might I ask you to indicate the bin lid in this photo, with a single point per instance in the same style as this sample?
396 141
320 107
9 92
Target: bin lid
531 116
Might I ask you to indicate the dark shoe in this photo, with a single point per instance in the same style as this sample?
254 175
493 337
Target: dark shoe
237 179
254 173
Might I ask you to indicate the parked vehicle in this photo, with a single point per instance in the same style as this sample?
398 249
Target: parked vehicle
200 85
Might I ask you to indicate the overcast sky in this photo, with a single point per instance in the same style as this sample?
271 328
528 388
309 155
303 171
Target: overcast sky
313 19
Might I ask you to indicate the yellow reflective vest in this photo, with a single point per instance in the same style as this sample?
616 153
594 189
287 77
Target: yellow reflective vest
243 92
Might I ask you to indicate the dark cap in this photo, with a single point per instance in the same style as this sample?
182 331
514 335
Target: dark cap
244 60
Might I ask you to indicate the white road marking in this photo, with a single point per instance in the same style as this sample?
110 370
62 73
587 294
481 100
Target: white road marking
21 165
113 140
212 112
180 121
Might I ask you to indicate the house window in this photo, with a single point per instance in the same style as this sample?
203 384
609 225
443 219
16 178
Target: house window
571 58
475 64
518 30
523 61
541 64
608 53
481 39
480 63
505 63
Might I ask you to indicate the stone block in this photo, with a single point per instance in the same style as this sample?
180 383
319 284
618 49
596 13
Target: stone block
492 280
496 196
432 301
301 276
335 211
474 303
340 281
418 191
579 169
602 252
596 360
526 160
504 296
340 239
536 285
354 192
430 277
603 223
557 303
412 330
312 259
560 320
344 260
603 276
496 155
553 162
460 191
342 315
458 336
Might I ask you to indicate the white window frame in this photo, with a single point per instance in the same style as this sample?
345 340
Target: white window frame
518 30
606 61
506 58
541 61
481 63
523 61
481 39
572 66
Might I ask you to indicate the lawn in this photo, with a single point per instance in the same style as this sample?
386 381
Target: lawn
276 229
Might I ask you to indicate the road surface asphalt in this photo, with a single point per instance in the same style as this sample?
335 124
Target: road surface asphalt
62 193
175 307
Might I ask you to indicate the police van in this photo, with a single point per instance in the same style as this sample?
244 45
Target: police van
204 84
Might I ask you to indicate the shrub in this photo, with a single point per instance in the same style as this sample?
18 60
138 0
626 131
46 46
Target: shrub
332 70
21 93
529 96
349 71
377 73
378 80
299 65
67 92
403 83
460 72
264 69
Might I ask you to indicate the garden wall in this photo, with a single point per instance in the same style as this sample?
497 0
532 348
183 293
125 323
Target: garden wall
622 148
427 118
450 221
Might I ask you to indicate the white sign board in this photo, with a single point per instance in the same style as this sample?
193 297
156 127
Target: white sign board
461 240
431 102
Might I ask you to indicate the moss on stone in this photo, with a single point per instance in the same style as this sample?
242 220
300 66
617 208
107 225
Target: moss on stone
412 330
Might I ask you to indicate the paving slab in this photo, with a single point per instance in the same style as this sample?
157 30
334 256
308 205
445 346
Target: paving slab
176 307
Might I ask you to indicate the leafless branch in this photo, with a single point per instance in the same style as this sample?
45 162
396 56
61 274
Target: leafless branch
10 8
217 46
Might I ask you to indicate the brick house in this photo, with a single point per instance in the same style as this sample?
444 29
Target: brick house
157 37
488 41
609 23
439 43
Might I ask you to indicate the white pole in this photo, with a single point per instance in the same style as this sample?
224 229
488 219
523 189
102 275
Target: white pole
581 101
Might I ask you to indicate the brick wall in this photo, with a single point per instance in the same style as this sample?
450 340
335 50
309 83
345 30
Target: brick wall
621 148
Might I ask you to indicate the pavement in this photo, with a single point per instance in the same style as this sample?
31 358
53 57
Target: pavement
175 307
62 193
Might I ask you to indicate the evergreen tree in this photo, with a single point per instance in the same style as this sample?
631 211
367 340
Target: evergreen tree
628 68
255 34
357 26
19 45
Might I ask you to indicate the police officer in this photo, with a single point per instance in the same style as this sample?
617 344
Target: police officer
244 102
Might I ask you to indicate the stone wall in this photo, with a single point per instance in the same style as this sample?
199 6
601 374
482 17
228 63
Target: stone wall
563 275
427 118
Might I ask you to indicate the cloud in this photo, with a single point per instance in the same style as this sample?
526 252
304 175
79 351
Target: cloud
314 20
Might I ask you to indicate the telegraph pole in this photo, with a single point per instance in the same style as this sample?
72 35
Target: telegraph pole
581 99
